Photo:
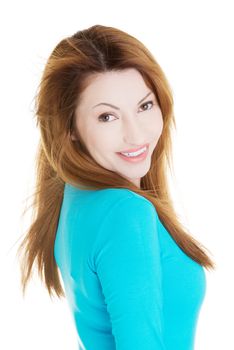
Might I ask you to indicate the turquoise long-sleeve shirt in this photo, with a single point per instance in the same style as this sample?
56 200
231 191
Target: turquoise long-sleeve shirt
128 284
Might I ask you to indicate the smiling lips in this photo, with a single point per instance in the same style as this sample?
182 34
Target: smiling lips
135 158
134 149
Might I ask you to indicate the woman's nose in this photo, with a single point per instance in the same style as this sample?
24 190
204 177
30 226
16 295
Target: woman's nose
133 133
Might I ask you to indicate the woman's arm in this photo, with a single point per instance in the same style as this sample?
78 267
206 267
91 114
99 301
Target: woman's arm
128 265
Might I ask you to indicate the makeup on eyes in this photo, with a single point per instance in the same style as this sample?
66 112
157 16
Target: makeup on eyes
109 113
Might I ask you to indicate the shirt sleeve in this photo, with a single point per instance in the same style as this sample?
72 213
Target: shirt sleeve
128 266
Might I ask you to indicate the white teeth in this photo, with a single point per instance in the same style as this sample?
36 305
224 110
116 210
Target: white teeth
134 154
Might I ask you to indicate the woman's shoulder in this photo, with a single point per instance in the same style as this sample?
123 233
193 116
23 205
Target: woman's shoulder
114 201
124 207
105 195
119 200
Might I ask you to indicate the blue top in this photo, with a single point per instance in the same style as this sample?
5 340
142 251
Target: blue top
128 284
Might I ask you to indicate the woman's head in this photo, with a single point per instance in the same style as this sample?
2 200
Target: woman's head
118 112
103 64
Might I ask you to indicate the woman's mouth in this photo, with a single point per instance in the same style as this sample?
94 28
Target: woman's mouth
134 157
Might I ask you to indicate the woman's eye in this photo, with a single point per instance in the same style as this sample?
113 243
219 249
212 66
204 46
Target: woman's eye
102 116
103 119
146 103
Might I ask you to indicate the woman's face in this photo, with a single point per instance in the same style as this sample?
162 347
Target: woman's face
133 120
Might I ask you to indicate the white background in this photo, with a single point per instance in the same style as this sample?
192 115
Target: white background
193 43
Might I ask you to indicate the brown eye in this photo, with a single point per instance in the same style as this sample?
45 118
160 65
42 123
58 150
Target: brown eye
146 103
102 117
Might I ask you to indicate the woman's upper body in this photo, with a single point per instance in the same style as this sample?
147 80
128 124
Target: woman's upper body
127 282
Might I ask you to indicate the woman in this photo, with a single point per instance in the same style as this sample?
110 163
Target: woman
133 277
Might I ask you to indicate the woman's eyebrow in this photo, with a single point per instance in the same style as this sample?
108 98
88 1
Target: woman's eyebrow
108 104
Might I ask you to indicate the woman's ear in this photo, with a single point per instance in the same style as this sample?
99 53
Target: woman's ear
73 135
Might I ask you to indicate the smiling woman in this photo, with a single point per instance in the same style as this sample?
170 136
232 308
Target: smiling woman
104 222
128 131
